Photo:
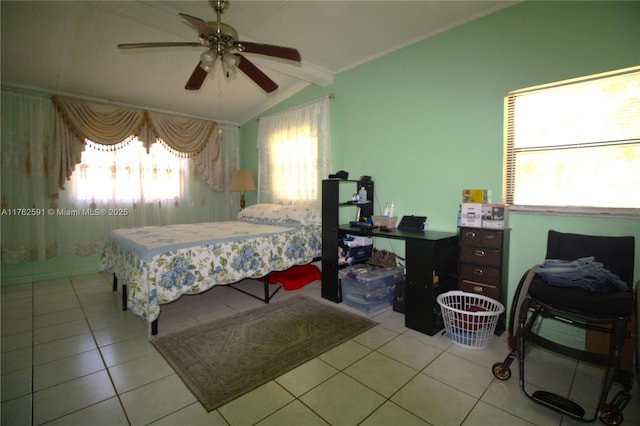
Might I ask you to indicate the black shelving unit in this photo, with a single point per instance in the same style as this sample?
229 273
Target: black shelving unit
331 206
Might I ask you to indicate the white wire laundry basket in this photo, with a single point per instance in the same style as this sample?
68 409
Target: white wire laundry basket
470 319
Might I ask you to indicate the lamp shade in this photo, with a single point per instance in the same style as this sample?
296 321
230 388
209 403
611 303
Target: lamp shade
241 180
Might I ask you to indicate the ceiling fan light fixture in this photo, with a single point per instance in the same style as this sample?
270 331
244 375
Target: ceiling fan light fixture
229 63
208 58
228 71
231 59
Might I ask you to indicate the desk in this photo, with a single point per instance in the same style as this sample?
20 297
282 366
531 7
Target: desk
426 253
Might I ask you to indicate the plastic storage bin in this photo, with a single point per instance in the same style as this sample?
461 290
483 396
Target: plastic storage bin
370 289
470 319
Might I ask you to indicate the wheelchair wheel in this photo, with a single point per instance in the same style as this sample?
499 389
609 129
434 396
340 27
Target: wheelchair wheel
611 416
500 372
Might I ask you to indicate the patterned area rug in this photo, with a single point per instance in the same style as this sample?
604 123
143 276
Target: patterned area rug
226 358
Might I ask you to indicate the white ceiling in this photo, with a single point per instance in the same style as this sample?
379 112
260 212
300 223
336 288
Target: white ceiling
70 47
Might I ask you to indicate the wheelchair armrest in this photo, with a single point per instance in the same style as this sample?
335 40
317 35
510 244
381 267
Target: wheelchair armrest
519 297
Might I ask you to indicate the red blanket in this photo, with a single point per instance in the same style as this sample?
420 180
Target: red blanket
295 277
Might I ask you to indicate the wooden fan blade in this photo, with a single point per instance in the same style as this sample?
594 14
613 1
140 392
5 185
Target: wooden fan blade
162 44
269 50
200 25
256 75
196 79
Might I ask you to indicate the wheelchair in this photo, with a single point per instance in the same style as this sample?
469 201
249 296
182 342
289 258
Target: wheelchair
611 312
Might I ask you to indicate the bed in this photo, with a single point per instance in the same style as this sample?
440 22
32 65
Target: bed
158 264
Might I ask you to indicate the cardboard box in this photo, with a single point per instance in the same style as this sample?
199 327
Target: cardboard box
471 215
478 196
494 216
389 222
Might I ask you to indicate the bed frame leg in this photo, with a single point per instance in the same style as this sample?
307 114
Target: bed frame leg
154 324
124 291
267 296
124 297
266 289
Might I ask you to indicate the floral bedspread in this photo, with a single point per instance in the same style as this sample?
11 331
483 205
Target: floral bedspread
161 263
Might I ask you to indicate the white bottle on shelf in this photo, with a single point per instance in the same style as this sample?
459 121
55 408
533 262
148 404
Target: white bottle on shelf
392 210
386 210
362 195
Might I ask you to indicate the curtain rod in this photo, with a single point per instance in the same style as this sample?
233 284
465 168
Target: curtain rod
25 93
330 96
43 93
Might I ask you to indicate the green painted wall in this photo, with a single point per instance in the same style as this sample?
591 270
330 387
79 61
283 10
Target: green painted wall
426 121
57 267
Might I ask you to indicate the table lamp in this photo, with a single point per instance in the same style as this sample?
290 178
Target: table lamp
241 180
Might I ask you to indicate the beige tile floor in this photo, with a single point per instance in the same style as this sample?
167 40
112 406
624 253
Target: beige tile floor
71 356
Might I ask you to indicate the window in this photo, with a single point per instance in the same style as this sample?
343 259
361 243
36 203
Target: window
293 163
574 146
128 174
294 154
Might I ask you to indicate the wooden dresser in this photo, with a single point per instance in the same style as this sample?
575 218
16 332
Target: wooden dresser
483 264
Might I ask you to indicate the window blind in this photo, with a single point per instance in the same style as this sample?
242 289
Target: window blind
575 144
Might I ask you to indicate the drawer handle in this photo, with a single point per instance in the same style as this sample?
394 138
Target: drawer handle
478 289
470 234
479 252
490 236
478 271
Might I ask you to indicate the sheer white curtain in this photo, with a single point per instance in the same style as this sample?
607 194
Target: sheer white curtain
36 227
294 154
26 227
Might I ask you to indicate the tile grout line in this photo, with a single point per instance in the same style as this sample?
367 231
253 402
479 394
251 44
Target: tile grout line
93 336
33 347
33 350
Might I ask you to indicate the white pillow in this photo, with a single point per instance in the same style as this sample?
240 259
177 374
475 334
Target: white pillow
262 212
280 213
303 214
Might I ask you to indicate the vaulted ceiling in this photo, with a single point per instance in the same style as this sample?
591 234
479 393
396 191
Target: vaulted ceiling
70 47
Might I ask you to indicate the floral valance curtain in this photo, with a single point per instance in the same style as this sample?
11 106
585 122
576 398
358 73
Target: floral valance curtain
76 120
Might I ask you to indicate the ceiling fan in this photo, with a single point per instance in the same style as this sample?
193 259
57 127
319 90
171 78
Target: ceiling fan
221 41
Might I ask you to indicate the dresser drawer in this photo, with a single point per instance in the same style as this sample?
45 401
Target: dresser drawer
480 273
481 238
479 288
492 239
481 256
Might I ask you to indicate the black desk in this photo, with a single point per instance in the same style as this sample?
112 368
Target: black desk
426 253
